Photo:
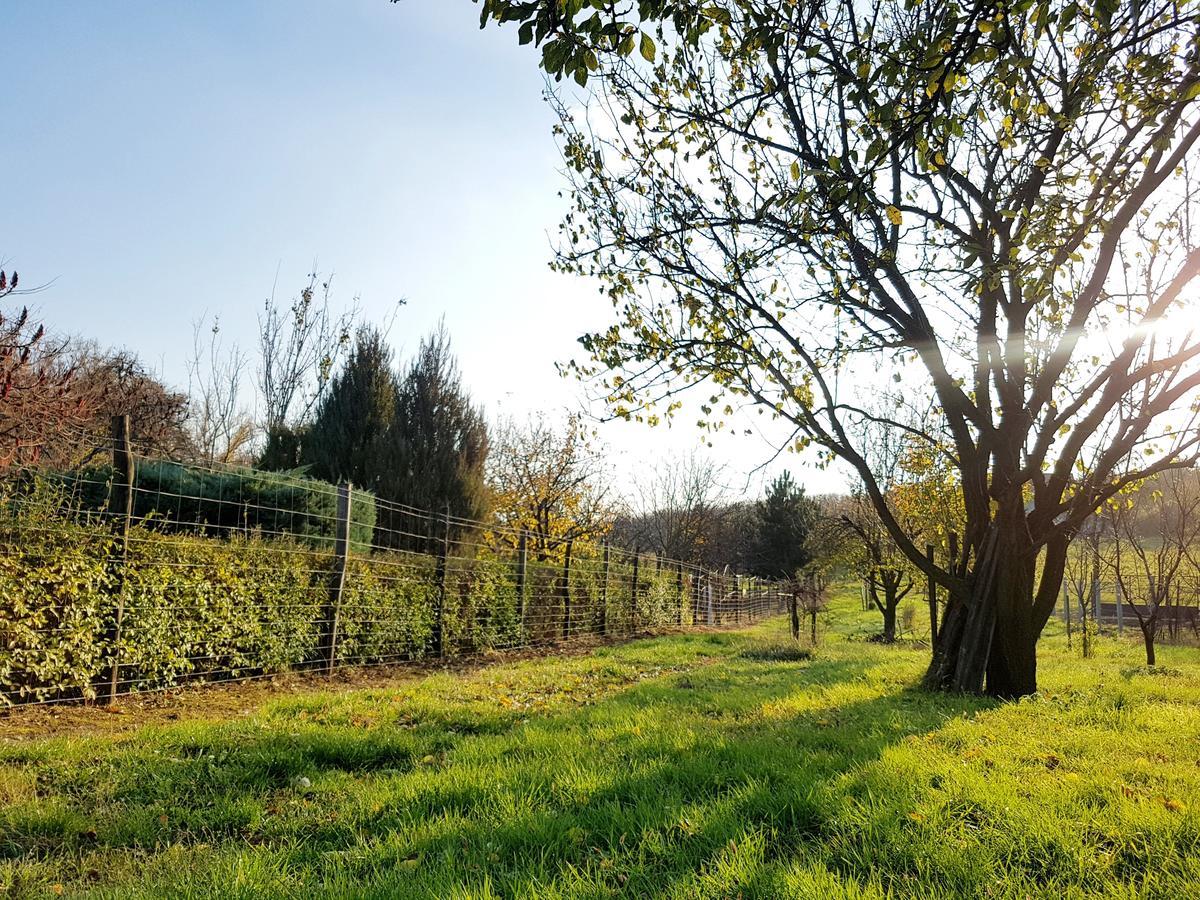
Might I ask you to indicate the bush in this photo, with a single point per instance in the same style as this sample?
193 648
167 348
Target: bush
175 496
55 598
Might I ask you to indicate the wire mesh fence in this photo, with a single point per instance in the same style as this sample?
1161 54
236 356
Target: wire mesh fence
129 574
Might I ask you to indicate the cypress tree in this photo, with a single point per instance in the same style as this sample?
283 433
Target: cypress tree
347 440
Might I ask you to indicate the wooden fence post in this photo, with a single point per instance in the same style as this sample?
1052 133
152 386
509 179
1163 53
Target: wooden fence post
337 581
566 592
121 510
933 610
439 611
522 564
604 593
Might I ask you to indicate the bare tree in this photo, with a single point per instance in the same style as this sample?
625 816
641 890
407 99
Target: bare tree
677 507
222 431
42 403
1159 525
300 345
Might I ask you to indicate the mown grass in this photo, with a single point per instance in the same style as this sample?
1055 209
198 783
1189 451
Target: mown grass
705 765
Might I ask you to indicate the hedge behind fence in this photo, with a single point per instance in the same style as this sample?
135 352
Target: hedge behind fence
213 605
191 498
195 606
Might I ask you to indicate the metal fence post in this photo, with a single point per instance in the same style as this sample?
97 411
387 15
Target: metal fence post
633 593
604 592
122 513
566 592
522 563
337 580
439 611
679 596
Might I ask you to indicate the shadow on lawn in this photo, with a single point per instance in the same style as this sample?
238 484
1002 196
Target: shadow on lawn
656 802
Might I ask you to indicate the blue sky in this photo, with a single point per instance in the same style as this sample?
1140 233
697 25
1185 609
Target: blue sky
163 161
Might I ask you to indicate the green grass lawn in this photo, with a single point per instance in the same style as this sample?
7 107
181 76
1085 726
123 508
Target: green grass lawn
702 765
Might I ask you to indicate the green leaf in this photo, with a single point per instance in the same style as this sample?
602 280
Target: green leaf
647 48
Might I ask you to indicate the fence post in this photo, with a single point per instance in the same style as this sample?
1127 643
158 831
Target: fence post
633 593
337 580
566 592
933 610
697 580
604 593
122 512
439 612
679 593
1066 592
522 563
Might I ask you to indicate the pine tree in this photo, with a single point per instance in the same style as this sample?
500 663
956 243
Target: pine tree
786 516
348 437
438 442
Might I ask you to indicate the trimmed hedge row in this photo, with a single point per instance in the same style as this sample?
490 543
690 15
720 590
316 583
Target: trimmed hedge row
188 498
210 608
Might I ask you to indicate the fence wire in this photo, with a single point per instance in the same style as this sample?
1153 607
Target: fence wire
173 574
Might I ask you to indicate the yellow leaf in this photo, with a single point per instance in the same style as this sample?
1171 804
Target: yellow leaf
986 27
894 215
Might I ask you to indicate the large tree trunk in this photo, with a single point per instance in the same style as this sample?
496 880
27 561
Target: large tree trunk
990 631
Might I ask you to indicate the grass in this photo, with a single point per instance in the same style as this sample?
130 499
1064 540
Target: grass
702 765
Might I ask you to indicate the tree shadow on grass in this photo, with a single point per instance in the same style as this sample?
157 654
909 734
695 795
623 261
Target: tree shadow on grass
637 794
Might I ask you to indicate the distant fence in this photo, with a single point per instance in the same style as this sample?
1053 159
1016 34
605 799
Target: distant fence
141 574
1123 604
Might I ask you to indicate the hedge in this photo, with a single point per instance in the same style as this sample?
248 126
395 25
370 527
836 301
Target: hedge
190 498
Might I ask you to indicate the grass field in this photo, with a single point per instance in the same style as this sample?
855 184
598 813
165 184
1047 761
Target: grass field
704 765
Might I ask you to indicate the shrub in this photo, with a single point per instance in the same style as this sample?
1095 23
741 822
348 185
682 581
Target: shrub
175 496
55 598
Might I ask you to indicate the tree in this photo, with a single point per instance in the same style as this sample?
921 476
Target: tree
438 440
1159 524
42 403
122 385
677 509
300 346
221 429
550 482
786 518
989 204
353 425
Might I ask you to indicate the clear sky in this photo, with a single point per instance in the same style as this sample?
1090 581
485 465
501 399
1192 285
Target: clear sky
163 161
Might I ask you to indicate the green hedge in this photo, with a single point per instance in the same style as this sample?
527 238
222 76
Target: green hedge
195 606
228 500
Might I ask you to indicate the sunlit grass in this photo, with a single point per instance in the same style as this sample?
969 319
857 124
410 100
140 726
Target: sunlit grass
689 766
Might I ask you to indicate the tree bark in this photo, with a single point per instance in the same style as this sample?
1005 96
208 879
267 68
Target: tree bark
889 623
990 631
1148 640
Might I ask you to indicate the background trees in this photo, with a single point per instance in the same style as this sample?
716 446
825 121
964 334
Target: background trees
1156 548
990 205
550 481
42 403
